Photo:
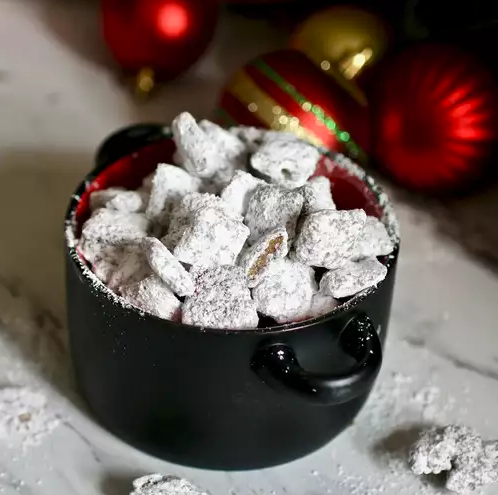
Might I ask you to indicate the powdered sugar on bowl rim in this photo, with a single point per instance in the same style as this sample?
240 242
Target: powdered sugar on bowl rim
331 160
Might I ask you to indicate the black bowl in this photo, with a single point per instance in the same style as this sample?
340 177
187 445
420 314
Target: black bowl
221 398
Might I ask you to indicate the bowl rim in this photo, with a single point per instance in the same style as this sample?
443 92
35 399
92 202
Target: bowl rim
388 218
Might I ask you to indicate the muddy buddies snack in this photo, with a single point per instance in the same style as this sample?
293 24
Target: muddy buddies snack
327 237
157 484
286 291
287 162
210 244
459 450
352 277
255 259
221 300
271 207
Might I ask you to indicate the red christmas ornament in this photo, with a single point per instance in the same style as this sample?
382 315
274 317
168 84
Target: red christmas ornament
285 90
436 119
165 37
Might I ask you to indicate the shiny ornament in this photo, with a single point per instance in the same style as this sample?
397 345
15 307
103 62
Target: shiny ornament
342 40
157 40
436 119
285 91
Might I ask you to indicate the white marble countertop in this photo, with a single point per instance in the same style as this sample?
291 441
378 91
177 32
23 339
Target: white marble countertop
58 100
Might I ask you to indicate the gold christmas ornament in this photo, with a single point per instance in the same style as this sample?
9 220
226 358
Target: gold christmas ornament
342 39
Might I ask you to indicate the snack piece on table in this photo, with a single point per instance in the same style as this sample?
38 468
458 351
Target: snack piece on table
255 259
99 198
286 291
321 304
353 277
317 195
212 238
183 212
154 296
221 299
327 237
169 185
373 241
459 450
287 163
115 227
269 208
167 267
157 484
239 191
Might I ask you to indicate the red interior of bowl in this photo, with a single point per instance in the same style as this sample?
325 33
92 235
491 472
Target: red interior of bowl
349 191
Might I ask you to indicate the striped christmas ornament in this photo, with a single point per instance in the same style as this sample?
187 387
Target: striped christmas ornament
286 91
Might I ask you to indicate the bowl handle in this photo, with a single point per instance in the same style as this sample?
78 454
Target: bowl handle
126 141
277 365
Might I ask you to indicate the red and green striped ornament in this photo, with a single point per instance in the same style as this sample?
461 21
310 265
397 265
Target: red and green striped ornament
284 90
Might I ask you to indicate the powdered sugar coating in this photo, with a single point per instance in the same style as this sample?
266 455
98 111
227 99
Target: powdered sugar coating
199 154
471 463
169 185
317 195
321 304
157 484
286 291
130 267
239 191
252 137
213 238
115 227
154 296
184 211
167 267
373 241
352 277
221 300
287 163
327 237
255 259
271 207
98 199
129 201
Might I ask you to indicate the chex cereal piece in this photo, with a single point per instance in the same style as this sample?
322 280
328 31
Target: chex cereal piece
157 484
98 199
103 258
269 208
239 191
255 259
286 291
288 163
169 185
317 195
252 137
373 241
183 213
167 267
280 135
154 296
115 227
200 155
129 201
131 267
327 237
353 277
221 300
147 183
321 304
213 238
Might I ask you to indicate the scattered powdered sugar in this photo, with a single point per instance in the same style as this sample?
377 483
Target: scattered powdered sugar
157 484
25 416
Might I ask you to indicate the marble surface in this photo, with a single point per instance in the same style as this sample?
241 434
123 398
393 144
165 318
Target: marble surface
59 98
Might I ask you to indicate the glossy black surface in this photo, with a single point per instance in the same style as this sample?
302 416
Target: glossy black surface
223 400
